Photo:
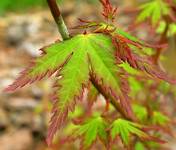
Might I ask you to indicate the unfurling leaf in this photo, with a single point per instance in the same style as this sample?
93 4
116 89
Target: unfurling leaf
124 129
154 9
160 119
90 131
108 11
140 112
139 146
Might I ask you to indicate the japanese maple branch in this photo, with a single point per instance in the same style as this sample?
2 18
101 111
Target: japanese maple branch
65 35
163 39
58 19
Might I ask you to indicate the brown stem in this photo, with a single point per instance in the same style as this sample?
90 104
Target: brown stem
161 41
113 101
58 19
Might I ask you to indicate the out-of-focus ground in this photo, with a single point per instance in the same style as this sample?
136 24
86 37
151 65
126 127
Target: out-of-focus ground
24 114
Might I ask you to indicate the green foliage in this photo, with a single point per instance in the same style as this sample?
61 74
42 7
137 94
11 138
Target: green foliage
159 119
75 59
124 129
129 69
171 30
135 86
127 35
108 61
77 112
18 5
89 1
139 146
164 87
154 10
22 5
91 130
149 51
103 63
153 145
141 112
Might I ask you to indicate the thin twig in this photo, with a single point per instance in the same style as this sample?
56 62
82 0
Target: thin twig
113 101
161 41
58 19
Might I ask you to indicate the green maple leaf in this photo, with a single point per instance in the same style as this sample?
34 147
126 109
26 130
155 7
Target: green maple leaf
73 61
124 129
90 131
139 146
162 27
129 69
154 10
159 119
140 112
127 35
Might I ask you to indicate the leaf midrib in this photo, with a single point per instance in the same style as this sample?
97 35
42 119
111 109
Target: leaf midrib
93 50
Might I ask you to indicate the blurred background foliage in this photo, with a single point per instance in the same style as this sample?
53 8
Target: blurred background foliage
22 34
24 5
19 5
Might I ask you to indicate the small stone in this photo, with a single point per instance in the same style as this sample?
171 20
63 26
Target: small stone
15 104
21 111
5 82
37 93
18 140
39 127
16 32
31 48
21 118
3 120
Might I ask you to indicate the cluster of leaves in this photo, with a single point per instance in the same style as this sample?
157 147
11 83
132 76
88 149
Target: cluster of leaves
155 10
106 61
97 127
161 14
171 28
8 5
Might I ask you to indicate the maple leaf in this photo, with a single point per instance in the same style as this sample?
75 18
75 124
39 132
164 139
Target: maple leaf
74 60
154 10
90 131
171 29
125 128
139 146
126 47
160 119
95 57
140 112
